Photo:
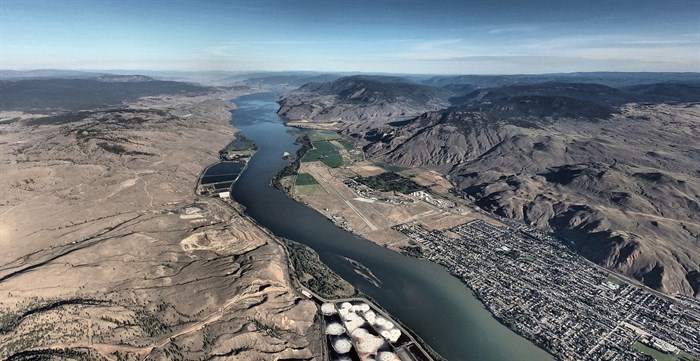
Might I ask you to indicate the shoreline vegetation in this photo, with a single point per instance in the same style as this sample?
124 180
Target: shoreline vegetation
308 269
305 262
241 148
293 167
290 247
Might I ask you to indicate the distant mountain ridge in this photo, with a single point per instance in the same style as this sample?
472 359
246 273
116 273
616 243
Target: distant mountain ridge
582 91
283 80
665 92
375 89
47 74
358 97
58 95
362 96
612 79
124 78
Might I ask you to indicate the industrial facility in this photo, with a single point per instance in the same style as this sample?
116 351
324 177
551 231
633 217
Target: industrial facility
356 331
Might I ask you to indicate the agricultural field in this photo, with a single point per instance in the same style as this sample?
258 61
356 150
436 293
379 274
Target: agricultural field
348 151
330 149
320 135
305 179
388 182
307 185
324 151
348 145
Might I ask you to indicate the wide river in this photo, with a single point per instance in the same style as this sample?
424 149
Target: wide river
421 294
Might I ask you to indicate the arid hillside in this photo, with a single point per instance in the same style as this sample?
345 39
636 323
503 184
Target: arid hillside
614 171
107 253
361 97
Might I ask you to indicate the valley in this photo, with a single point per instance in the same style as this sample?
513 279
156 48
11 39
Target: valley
349 180
181 266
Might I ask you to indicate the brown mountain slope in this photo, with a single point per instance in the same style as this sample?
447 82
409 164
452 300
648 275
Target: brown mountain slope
626 190
619 180
361 97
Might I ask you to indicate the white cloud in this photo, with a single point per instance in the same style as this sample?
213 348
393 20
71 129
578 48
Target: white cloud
512 29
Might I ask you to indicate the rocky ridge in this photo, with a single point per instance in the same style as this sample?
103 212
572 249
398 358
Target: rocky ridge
361 97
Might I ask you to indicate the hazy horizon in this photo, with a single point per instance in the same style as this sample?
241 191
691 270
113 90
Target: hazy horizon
393 37
155 72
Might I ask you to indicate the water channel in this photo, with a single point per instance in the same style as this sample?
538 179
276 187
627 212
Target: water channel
422 295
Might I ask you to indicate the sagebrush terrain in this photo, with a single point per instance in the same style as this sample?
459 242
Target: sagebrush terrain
108 254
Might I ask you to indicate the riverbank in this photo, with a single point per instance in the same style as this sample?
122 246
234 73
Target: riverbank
314 275
304 261
410 249
372 196
432 303
313 278
313 265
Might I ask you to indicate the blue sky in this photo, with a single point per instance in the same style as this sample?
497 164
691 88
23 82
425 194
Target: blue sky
436 37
